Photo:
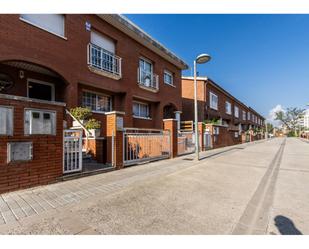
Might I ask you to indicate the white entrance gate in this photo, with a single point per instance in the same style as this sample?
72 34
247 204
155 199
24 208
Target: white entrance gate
72 151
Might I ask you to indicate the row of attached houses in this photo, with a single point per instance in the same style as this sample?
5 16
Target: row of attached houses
221 110
131 83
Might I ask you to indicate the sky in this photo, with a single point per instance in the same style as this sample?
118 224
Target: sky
263 60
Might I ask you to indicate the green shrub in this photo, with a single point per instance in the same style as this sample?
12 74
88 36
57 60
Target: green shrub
93 124
81 113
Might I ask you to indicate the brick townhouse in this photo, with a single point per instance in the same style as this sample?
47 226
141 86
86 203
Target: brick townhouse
51 63
215 103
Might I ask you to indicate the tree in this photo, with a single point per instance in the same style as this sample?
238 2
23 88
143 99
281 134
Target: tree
290 118
270 127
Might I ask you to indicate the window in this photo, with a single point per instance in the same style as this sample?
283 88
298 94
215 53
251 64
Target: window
102 54
236 134
140 110
41 90
103 41
244 115
40 122
97 102
236 111
6 121
53 23
213 101
168 78
145 72
228 107
248 115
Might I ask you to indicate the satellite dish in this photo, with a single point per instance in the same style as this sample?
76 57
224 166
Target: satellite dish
5 82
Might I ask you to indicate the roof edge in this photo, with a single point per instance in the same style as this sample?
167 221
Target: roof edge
132 30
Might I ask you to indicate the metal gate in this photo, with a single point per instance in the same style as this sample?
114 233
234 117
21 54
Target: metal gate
140 145
186 142
72 151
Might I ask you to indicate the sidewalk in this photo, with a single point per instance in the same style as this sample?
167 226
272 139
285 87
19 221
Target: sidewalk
16 206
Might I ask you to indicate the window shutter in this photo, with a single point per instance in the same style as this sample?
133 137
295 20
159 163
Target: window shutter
51 22
103 42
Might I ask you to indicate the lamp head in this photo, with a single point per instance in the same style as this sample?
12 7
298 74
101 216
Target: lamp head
202 58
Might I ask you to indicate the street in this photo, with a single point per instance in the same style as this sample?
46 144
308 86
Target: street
258 188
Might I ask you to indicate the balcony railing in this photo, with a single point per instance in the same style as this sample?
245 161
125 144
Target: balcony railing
147 80
104 60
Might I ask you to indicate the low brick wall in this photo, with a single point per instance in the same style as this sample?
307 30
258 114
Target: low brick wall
225 137
46 165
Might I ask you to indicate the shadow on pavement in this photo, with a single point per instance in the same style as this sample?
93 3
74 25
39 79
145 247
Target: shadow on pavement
286 226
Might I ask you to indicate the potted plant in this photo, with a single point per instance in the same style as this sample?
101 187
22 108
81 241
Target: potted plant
81 114
93 126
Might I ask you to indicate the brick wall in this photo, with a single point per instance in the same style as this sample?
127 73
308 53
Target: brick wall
24 42
225 137
46 165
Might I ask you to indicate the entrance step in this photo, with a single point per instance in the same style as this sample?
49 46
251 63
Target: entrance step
88 170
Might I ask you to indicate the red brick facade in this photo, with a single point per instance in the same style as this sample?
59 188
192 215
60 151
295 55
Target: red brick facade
46 165
67 57
29 53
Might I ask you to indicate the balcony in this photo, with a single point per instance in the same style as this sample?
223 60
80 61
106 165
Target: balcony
148 81
104 62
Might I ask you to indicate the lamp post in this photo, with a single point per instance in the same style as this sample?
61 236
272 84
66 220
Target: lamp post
201 59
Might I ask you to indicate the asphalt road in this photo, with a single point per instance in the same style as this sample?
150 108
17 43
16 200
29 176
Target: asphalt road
260 188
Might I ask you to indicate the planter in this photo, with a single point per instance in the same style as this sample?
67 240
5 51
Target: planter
95 132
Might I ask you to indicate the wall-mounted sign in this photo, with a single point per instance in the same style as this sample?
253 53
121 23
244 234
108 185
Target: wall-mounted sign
88 26
119 123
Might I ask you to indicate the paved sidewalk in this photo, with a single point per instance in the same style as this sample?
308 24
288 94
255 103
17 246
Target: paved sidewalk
18 205
246 189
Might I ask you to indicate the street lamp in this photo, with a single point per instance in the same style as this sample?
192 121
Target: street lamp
201 59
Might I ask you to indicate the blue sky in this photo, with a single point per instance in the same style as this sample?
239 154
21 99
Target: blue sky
261 59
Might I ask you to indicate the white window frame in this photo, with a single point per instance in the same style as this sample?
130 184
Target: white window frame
228 110
41 111
236 134
171 75
244 115
216 131
10 130
236 112
42 83
98 94
148 61
9 152
211 94
45 29
141 103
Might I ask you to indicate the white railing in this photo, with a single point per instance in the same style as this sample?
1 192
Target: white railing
72 151
141 145
148 80
104 60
